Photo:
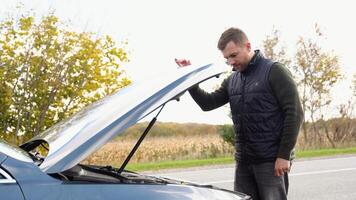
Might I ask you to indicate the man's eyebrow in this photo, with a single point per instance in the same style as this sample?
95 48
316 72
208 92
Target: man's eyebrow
231 54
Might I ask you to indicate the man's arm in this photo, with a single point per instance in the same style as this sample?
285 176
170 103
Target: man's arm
207 101
286 92
210 101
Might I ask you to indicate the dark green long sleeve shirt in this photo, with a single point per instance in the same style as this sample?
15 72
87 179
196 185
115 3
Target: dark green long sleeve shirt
284 90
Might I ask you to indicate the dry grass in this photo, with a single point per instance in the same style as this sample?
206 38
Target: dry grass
322 143
162 149
182 146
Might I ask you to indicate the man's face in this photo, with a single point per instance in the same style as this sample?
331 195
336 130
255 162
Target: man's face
237 55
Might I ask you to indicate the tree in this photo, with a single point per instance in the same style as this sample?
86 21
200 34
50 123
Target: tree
318 71
49 72
341 129
227 133
274 50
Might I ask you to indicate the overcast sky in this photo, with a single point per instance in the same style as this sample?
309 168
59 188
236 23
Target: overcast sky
158 31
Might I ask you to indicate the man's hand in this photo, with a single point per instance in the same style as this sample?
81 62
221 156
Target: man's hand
281 166
182 62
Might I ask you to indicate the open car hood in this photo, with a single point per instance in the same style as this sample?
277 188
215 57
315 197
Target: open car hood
75 138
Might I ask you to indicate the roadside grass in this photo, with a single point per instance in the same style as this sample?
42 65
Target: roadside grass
325 152
152 166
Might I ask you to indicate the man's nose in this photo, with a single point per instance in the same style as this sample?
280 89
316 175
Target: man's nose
231 61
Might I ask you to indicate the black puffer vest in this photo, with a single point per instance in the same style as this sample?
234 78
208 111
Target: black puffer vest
258 120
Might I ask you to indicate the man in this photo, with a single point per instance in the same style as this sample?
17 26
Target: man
266 113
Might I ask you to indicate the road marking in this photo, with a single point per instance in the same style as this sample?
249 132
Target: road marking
292 174
322 172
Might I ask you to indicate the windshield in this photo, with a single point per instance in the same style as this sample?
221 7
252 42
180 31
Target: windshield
14 152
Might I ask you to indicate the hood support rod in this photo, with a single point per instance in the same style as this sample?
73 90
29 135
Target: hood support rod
128 158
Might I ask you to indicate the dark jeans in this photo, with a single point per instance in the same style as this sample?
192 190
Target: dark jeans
259 181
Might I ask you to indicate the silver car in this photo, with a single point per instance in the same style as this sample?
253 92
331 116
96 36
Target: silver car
26 174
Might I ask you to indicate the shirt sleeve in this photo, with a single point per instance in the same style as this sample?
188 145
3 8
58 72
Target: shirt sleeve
209 101
285 90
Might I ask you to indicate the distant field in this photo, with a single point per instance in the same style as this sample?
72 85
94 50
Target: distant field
179 152
172 145
163 149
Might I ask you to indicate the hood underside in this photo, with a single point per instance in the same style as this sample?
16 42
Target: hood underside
75 138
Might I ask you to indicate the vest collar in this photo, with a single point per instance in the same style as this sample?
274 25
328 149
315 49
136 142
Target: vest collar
253 62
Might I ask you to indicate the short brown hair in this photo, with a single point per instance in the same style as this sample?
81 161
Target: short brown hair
232 34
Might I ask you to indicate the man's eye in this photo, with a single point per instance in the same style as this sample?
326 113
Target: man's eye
232 56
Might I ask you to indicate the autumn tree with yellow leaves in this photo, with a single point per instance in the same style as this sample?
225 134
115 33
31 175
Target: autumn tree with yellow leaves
48 72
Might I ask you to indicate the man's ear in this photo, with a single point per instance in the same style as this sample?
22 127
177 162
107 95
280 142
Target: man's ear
248 46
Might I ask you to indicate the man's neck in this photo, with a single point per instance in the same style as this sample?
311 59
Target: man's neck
251 54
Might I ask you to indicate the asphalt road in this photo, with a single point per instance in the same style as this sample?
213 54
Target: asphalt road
316 179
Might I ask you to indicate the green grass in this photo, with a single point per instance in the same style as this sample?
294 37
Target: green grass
228 160
325 152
